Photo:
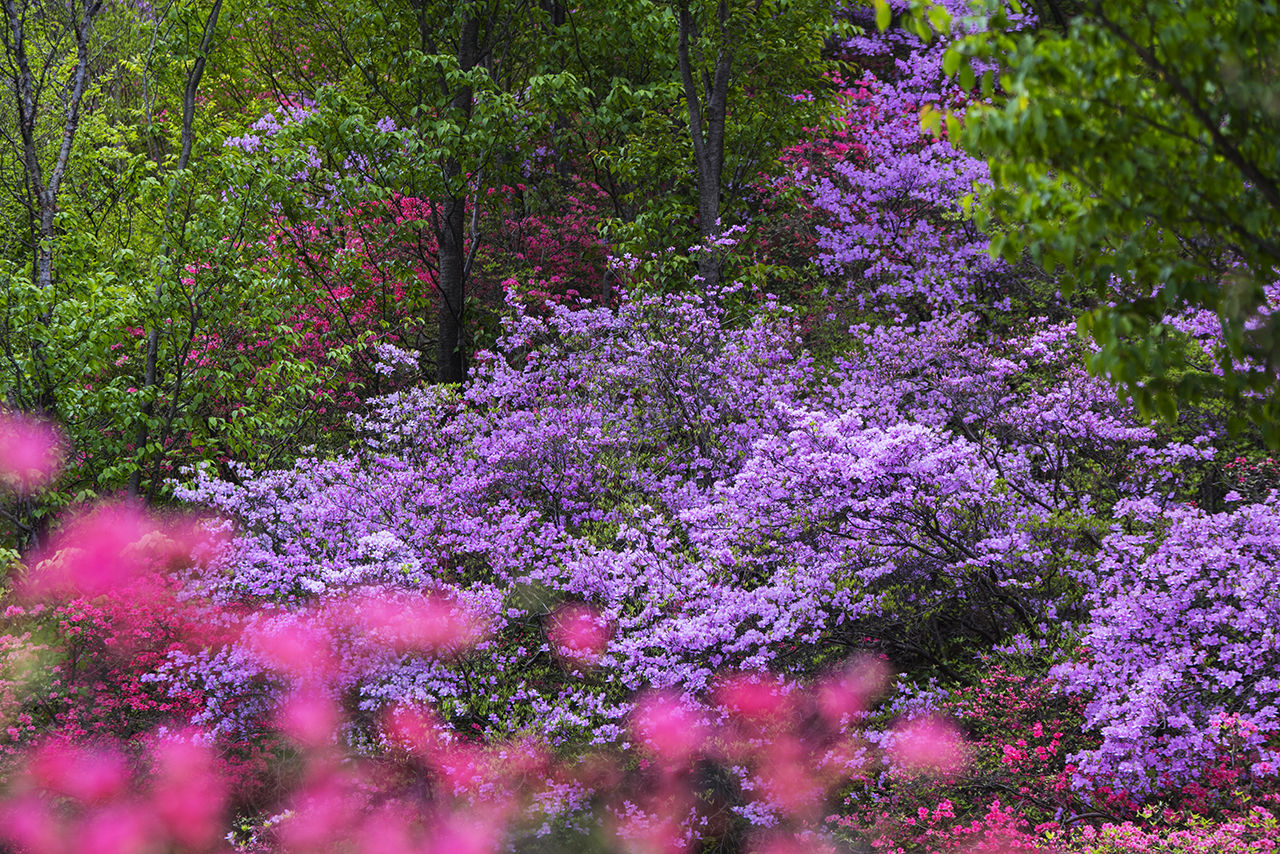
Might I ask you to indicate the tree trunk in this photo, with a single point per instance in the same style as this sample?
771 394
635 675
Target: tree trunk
451 347
42 188
707 109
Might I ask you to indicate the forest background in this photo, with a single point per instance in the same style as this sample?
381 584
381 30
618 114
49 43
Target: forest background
646 426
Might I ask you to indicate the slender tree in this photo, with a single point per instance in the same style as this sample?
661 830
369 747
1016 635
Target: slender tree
706 97
49 53
150 378
748 72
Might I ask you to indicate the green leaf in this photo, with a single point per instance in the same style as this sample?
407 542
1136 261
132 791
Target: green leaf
953 127
930 119
951 61
940 19
884 15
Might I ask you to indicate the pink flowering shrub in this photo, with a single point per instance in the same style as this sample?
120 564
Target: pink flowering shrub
1254 828
93 656
1250 480
1014 787
95 614
544 243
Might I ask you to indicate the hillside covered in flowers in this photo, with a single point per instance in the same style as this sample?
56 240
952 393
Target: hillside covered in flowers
639 427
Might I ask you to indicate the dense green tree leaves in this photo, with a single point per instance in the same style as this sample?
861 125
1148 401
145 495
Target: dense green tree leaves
1136 155
161 334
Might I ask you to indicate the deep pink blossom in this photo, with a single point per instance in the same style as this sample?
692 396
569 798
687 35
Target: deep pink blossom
31 452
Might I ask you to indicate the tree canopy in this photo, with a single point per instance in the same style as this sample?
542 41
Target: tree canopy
1135 155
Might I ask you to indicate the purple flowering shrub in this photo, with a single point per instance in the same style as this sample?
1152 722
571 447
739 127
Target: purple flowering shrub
718 501
559 474
897 232
1181 659
713 497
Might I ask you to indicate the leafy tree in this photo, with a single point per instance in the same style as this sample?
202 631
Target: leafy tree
677 133
51 54
437 81
147 320
150 379
616 125
1136 155
749 74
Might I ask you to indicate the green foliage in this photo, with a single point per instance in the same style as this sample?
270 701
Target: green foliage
778 87
1138 154
145 248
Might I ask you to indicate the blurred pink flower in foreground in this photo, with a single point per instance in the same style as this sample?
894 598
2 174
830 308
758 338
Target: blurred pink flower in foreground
301 649
454 833
416 729
310 717
641 832
68 798
781 843
850 690
102 551
87 774
668 728
30 823
579 634
755 699
928 745
437 624
189 794
30 451
118 548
